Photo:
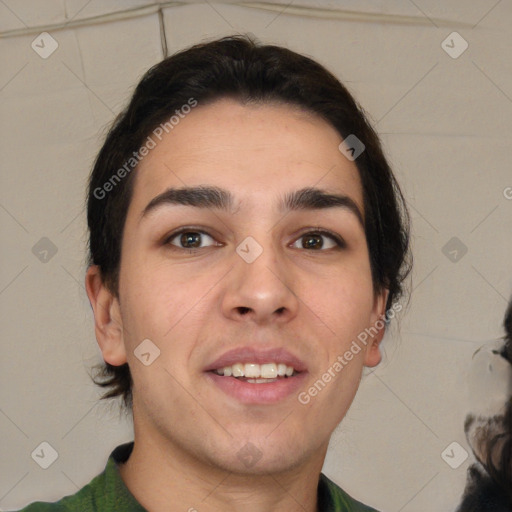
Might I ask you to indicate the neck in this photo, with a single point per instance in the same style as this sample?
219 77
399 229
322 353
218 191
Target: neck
162 477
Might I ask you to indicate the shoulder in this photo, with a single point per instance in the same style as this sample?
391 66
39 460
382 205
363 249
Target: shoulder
334 499
105 492
82 501
86 499
39 506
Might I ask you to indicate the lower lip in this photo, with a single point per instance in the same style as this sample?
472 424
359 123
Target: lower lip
264 393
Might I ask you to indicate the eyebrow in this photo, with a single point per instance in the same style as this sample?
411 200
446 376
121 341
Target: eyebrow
202 196
317 199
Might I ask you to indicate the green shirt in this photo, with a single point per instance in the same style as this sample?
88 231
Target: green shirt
107 492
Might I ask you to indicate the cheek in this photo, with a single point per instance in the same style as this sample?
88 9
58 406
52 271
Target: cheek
162 303
343 299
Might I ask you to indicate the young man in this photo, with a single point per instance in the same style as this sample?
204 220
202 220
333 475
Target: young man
248 243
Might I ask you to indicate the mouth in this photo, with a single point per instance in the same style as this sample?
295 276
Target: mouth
255 373
254 377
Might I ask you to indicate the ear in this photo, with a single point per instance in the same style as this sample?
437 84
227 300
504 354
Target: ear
377 329
107 318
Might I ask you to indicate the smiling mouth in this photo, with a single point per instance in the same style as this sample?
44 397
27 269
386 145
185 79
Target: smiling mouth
254 373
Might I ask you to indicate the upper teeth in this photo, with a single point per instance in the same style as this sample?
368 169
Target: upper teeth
253 370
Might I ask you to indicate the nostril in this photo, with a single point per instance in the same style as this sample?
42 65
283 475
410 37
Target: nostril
243 310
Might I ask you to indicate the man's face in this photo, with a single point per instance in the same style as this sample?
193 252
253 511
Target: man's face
193 281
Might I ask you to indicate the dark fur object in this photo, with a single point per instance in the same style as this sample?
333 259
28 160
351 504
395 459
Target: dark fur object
489 481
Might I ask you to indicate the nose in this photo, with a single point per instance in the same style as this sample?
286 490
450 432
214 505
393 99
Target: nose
260 291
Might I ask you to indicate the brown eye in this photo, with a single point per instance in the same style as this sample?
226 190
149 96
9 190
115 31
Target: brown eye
315 240
190 240
312 242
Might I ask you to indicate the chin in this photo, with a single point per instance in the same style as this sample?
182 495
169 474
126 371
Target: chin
262 457
254 462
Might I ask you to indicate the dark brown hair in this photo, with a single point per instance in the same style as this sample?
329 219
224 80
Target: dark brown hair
241 68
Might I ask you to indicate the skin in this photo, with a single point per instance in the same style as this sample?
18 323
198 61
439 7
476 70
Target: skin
312 301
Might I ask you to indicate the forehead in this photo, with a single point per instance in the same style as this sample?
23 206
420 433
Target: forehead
256 151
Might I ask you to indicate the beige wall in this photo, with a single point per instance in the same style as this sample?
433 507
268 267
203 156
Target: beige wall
446 124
